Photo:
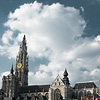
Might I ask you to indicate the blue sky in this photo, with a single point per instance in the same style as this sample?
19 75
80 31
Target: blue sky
60 34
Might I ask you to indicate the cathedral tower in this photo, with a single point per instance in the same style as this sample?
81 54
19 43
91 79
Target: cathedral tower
21 69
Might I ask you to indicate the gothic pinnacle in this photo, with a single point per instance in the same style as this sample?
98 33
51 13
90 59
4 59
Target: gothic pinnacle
11 71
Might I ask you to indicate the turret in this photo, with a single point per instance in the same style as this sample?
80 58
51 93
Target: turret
66 79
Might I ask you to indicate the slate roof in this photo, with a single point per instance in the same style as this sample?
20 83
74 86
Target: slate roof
34 88
85 85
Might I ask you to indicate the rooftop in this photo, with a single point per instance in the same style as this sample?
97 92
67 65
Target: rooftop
34 88
81 85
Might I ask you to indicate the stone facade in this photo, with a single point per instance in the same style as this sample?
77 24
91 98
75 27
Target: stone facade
58 87
9 84
15 85
12 82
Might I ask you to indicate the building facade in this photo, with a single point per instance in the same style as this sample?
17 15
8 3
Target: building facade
15 85
12 82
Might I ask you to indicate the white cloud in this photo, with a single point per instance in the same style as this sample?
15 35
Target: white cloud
7 36
54 32
82 9
39 78
97 38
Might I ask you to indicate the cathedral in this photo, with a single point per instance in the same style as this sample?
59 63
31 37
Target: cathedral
15 85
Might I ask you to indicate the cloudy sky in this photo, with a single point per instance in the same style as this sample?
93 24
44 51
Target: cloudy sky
60 34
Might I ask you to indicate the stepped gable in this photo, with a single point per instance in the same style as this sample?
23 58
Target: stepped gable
82 85
34 88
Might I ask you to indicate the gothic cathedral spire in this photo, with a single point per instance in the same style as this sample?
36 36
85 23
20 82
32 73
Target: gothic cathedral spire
21 69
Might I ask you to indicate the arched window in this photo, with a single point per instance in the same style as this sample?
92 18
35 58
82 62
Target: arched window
57 94
85 93
46 96
88 93
32 97
57 79
59 83
80 95
40 97
73 95
76 96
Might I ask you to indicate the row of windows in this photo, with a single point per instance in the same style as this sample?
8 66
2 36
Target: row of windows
58 83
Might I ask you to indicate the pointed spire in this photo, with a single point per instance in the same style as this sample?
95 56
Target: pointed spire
23 45
24 37
65 73
23 42
11 71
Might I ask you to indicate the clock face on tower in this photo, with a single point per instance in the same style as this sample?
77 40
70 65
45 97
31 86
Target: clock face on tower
19 65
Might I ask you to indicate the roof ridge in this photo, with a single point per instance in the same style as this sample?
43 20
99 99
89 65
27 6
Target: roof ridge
36 85
86 82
